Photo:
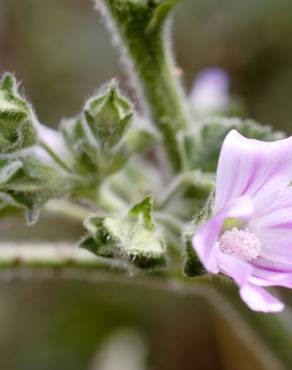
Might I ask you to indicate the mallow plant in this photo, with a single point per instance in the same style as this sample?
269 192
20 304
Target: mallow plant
183 190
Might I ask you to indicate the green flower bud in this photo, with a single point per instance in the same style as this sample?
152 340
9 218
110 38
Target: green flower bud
18 124
133 237
108 115
96 138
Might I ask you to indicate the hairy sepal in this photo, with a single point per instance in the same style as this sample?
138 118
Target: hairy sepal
133 237
192 265
18 124
28 179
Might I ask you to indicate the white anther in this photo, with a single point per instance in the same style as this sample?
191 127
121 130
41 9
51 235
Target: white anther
240 243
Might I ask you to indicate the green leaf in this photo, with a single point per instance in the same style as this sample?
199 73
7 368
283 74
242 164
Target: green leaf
203 147
133 237
18 124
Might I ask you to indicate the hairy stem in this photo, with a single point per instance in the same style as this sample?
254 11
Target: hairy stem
180 183
140 27
55 156
51 256
67 209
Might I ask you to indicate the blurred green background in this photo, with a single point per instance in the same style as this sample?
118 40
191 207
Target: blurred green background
61 52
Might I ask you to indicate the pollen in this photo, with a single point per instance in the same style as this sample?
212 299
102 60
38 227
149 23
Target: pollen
240 243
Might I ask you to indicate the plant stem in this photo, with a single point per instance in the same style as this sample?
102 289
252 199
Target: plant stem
55 156
109 201
140 28
180 183
51 256
177 185
68 209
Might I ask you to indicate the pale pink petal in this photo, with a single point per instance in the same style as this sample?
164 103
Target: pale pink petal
258 299
242 207
274 229
268 278
272 266
247 166
280 253
239 270
272 198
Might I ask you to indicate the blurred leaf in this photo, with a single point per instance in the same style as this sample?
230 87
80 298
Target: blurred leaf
141 136
204 147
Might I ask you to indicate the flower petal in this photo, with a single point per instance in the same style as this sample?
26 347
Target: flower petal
271 279
239 270
271 266
205 239
274 229
258 299
272 198
246 166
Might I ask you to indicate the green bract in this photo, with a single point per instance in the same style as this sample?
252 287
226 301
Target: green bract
18 125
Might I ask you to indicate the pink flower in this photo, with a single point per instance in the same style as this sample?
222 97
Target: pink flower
249 237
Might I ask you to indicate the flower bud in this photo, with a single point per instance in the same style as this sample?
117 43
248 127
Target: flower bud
133 237
29 178
96 138
108 115
18 125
